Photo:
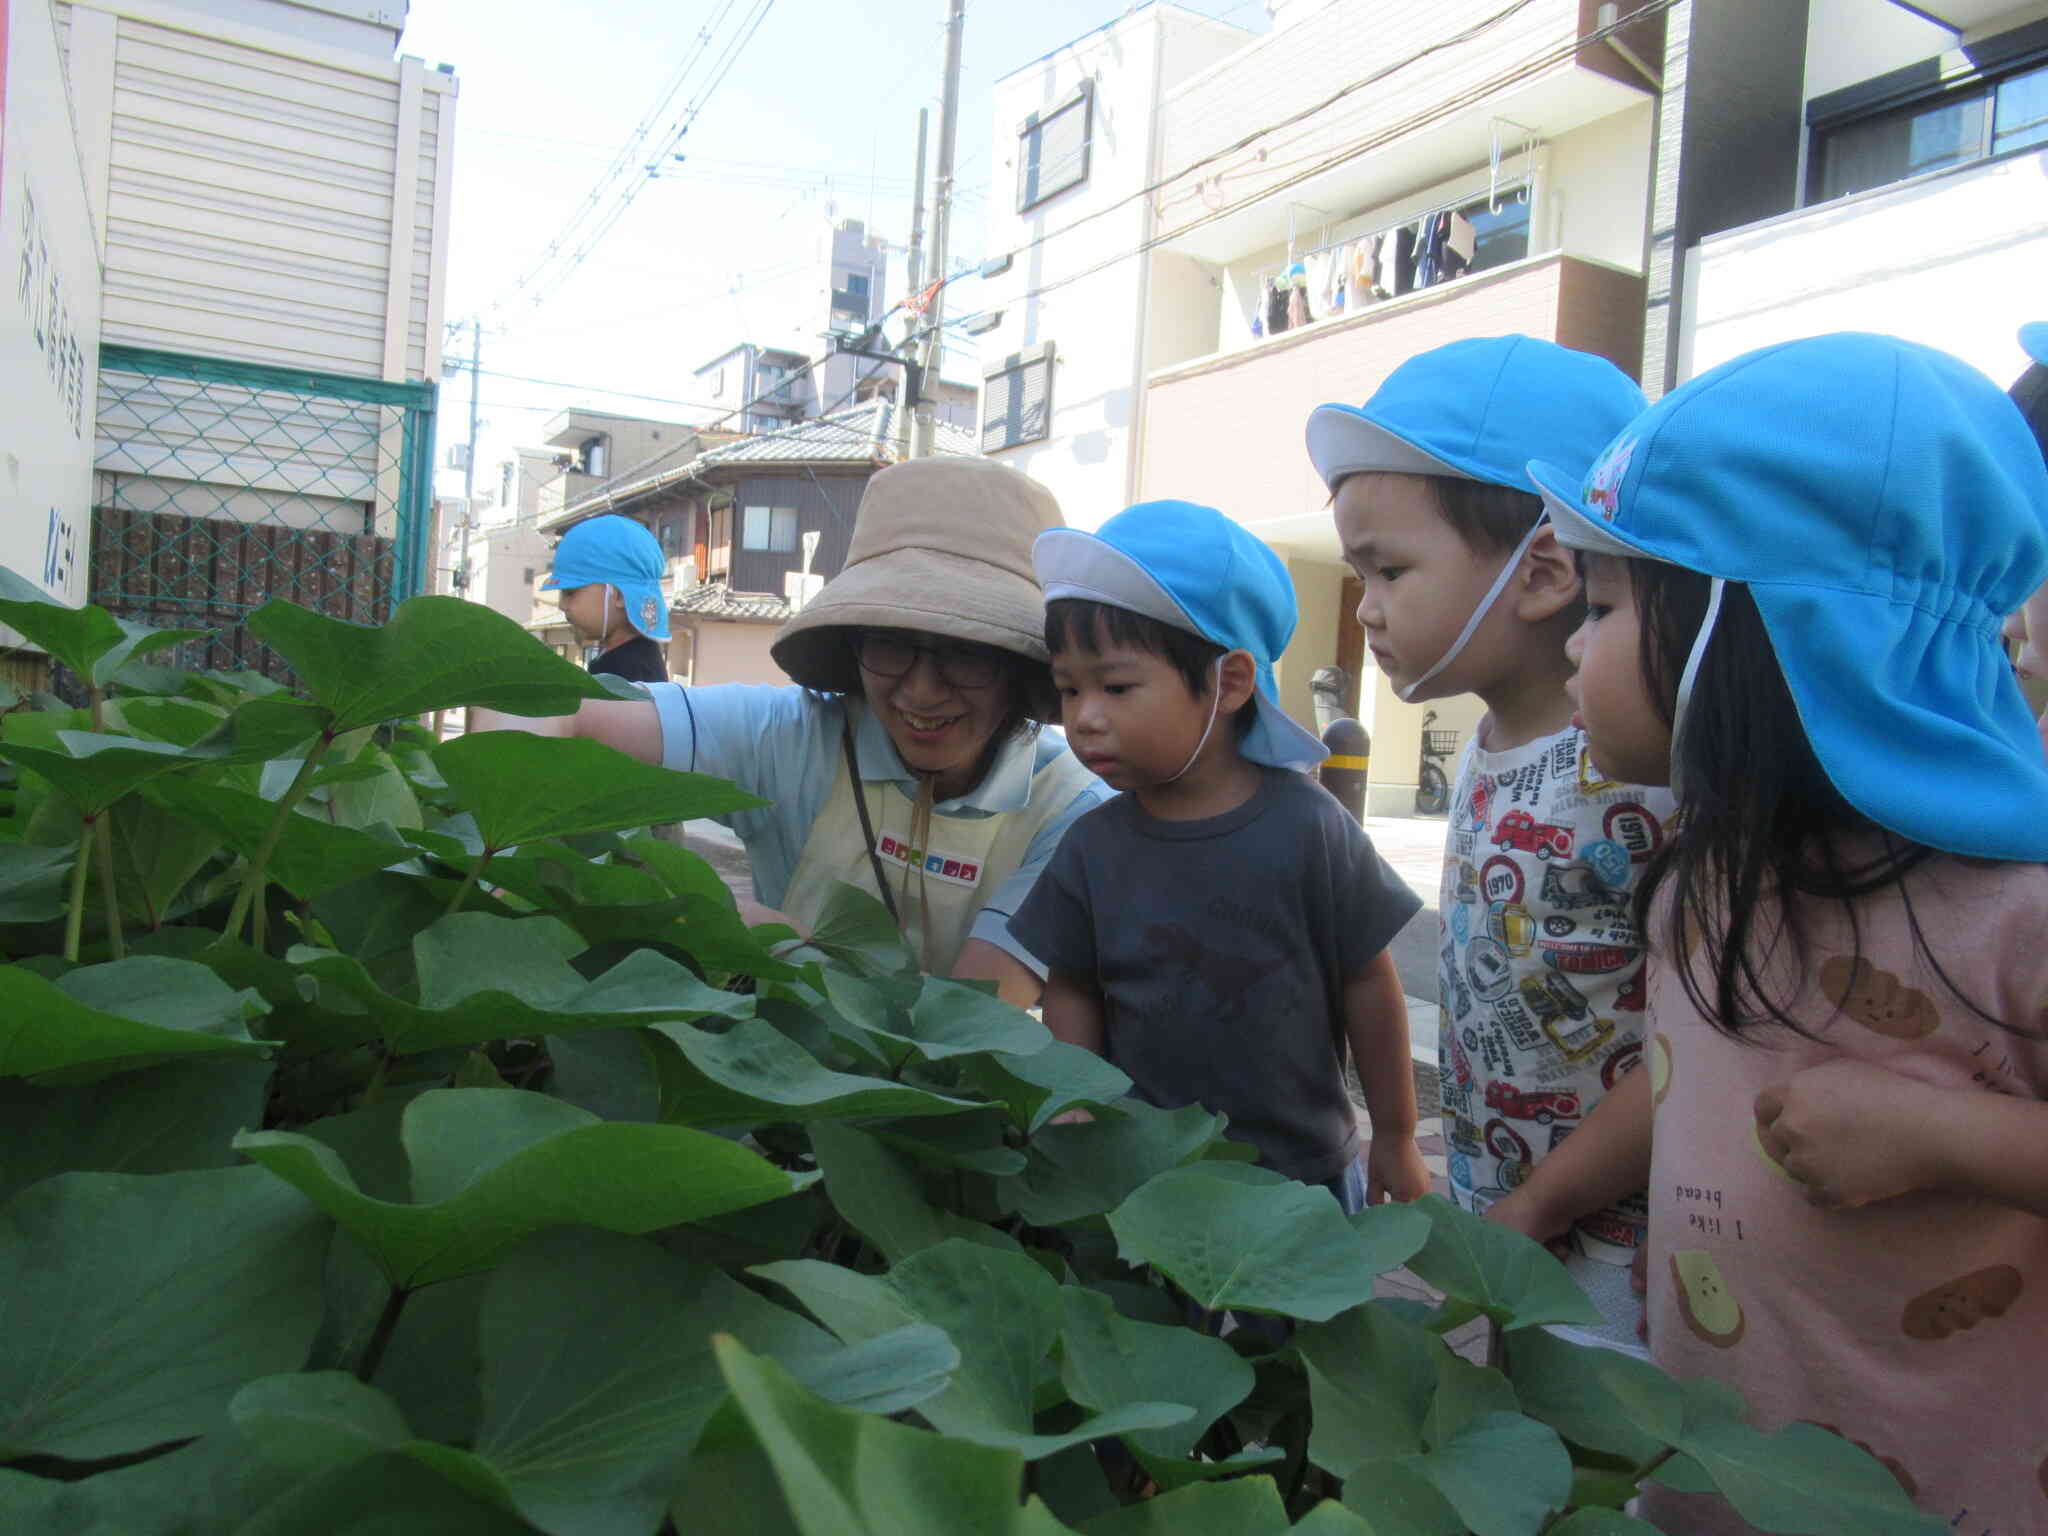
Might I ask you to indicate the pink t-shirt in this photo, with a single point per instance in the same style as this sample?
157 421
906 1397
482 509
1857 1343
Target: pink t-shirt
1917 1326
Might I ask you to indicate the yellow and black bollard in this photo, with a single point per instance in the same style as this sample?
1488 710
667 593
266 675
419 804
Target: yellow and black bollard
1343 772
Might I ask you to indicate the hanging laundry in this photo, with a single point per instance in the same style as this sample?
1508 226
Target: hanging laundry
1365 267
1276 308
1325 278
1297 306
1404 259
1429 251
1461 241
1258 321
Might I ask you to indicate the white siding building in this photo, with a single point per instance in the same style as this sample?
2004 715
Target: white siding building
269 191
270 184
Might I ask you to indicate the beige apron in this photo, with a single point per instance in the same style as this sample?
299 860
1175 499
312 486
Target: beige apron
957 866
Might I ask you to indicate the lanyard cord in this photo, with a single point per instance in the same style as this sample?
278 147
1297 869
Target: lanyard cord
867 826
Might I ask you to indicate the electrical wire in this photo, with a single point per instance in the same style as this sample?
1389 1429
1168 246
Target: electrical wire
618 183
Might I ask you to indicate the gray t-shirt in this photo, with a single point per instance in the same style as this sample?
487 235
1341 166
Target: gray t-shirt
1221 948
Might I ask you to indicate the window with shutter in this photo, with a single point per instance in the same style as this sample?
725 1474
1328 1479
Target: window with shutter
1016 400
1052 149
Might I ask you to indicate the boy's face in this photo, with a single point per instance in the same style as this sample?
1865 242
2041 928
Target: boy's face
1422 581
1627 739
584 608
1129 715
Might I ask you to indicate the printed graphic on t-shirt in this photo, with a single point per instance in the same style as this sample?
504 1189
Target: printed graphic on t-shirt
1540 974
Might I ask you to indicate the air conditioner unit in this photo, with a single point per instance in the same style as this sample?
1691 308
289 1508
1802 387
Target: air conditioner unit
458 456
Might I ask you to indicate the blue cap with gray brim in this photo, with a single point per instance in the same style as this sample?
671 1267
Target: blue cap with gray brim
621 553
1191 567
1887 507
1477 410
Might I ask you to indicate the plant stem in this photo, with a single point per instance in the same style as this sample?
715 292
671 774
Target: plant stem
469 881
253 879
104 826
380 1339
74 922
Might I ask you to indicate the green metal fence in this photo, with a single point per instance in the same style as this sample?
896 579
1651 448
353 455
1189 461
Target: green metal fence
221 485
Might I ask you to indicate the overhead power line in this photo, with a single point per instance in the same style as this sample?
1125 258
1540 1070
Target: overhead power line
632 168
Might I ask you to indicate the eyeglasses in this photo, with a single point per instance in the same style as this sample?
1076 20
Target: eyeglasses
893 652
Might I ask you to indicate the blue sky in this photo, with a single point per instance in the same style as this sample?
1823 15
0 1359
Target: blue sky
818 113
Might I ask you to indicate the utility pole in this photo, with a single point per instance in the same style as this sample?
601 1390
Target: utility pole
476 347
908 405
942 217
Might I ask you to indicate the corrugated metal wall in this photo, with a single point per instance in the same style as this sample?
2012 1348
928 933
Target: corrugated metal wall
824 504
263 200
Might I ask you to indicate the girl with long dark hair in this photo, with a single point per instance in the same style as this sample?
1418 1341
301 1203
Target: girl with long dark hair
1796 569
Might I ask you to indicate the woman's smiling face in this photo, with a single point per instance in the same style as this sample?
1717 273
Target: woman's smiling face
940 728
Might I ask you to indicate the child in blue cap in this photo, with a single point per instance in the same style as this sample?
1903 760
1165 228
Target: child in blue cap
1796 566
609 571
1219 930
1466 591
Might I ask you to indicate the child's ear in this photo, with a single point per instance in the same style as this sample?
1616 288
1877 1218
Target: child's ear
1548 581
1237 679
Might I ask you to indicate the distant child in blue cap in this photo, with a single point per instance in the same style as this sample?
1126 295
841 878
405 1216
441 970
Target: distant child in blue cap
1219 930
1466 591
1796 566
609 571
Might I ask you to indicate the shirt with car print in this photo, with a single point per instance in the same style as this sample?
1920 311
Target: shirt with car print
1540 973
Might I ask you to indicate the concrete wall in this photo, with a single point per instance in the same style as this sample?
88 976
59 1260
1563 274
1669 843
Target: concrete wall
729 653
1227 431
1397 742
1318 590
1947 260
1595 201
1728 145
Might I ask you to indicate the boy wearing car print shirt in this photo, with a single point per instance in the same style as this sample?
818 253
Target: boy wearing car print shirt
1540 975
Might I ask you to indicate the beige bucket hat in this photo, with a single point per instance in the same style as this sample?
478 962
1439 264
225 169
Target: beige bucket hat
940 545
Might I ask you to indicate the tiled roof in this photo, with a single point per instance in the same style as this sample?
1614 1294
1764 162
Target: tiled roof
861 434
713 600
865 433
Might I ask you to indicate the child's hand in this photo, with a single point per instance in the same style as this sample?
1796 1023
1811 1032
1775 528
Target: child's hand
1522 1212
1846 1131
1394 1170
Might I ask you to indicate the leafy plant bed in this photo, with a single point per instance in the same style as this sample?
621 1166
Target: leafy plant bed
395 1137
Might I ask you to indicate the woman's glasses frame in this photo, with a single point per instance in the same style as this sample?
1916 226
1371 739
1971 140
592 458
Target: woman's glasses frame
892 653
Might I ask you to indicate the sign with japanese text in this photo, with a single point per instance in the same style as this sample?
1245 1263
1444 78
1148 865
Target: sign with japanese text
49 315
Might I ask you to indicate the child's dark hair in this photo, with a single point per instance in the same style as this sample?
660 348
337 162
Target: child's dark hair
1491 519
1760 817
1074 623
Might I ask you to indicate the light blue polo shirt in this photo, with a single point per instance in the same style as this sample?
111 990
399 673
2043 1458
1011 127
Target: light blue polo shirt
782 743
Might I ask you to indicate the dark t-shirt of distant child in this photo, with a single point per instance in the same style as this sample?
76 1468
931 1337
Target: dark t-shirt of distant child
637 660
1221 948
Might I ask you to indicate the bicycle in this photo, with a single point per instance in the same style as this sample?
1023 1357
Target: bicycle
1432 785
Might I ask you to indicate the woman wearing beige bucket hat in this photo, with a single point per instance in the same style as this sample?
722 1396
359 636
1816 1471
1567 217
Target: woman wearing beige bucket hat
908 759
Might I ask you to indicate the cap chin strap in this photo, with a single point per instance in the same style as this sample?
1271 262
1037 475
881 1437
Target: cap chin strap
1691 674
1500 584
1215 700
